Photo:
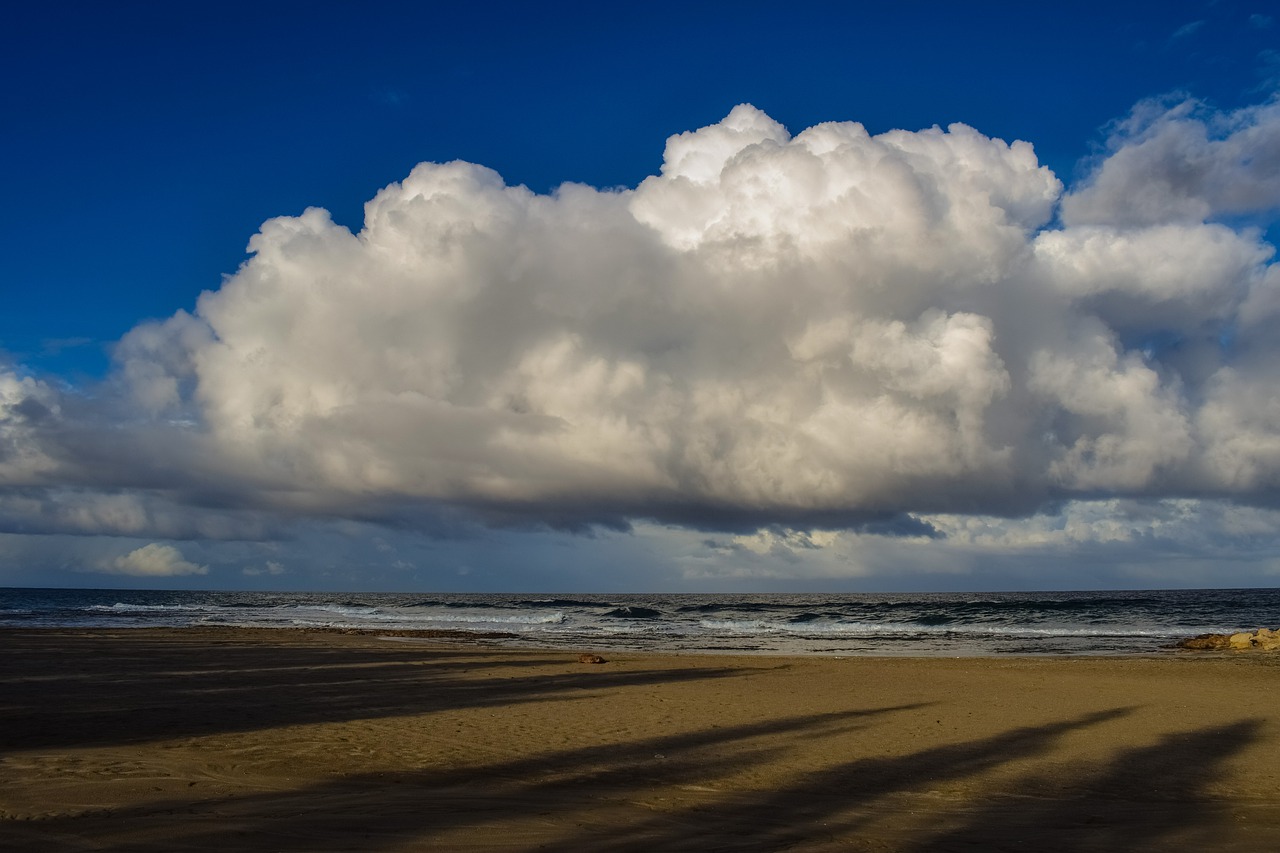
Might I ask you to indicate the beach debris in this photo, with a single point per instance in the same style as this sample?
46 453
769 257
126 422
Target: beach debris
1263 639
587 657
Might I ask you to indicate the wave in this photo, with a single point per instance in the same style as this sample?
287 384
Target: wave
125 607
812 629
938 605
358 616
561 602
362 611
482 618
756 606
632 612
496 605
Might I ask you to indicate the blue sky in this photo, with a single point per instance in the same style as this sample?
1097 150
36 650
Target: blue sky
148 143
192 125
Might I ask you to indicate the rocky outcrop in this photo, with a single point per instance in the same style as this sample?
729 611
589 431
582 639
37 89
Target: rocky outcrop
1264 639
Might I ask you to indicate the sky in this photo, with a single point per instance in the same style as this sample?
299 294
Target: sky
673 297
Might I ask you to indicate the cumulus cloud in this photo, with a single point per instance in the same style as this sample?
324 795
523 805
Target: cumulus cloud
775 332
752 332
1178 162
26 405
152 561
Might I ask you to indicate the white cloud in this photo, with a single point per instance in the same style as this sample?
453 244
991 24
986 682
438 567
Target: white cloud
630 353
831 329
25 405
1181 163
153 561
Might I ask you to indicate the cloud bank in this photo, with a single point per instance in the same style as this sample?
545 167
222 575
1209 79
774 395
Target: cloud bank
827 330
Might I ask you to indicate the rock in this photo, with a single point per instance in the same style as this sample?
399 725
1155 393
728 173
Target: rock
586 657
1243 640
1205 642
1264 639
1268 642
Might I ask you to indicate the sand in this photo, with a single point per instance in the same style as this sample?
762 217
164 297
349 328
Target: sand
229 740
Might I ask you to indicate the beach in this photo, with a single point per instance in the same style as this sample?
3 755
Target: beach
290 740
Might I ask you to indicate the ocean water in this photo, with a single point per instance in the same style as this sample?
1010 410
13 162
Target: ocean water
931 624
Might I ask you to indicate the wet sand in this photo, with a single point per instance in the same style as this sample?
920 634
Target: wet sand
229 739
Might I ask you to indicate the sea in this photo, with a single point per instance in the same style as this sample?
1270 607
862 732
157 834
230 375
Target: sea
1139 622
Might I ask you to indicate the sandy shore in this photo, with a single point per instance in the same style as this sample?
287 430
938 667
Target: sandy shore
223 739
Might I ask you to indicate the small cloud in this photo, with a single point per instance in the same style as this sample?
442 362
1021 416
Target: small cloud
391 97
779 541
1186 30
56 346
1261 22
272 568
154 561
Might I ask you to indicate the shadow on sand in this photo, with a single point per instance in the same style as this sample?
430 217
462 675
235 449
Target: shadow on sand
661 793
71 690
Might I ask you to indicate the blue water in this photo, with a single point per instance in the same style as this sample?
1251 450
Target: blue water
982 624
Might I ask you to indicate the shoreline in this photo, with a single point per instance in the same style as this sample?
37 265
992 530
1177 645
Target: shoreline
516 641
298 739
